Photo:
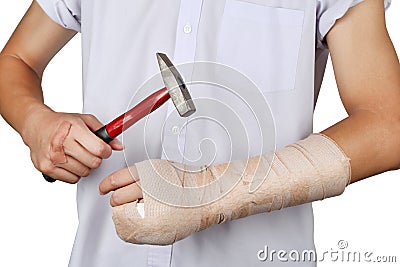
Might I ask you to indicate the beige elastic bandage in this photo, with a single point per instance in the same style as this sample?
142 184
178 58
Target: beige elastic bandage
311 169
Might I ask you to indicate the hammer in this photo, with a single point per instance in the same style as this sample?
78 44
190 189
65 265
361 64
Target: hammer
175 89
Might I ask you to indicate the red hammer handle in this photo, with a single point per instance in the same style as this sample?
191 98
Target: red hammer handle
126 120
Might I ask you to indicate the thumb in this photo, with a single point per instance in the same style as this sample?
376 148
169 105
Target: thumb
94 124
116 145
91 121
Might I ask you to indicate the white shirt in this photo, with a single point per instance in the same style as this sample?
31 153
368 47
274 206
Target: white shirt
277 44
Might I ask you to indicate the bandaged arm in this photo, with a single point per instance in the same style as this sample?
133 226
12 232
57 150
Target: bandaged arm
311 169
369 86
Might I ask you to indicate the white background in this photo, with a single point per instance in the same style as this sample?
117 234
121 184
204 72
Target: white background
38 220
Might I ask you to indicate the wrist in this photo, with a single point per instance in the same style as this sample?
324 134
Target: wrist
34 115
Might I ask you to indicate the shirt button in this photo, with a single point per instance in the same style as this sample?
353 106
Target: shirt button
175 130
187 28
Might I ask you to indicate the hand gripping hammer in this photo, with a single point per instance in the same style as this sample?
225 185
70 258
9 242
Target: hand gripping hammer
175 89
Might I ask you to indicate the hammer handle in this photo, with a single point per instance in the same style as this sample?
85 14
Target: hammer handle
108 132
141 110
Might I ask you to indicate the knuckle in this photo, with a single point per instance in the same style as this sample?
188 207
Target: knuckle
91 117
108 152
75 120
35 161
113 181
96 162
85 172
74 180
100 150
115 199
103 150
45 166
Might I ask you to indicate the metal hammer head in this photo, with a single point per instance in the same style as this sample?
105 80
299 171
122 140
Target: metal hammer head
176 86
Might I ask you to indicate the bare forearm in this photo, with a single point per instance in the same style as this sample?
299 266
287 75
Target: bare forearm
370 140
20 91
22 62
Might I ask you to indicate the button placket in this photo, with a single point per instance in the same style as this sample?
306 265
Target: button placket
185 52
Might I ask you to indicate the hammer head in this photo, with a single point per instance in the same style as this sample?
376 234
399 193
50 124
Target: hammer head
176 86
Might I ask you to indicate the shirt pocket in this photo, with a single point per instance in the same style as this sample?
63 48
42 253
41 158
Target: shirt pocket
261 42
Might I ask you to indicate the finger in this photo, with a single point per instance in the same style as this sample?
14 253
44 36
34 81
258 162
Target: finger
91 121
94 124
92 143
75 150
63 175
116 145
118 179
75 167
126 194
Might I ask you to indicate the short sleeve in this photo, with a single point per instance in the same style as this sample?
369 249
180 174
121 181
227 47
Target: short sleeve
328 11
67 13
